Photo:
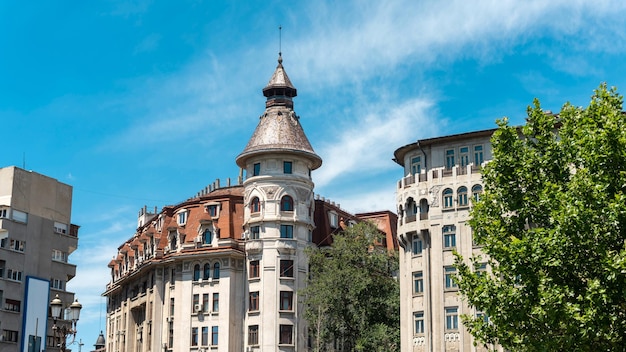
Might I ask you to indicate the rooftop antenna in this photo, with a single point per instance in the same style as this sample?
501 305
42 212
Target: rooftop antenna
280 39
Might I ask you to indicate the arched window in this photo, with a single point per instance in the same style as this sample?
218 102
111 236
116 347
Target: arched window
286 203
423 209
447 198
207 271
462 196
207 236
196 272
255 205
477 190
216 271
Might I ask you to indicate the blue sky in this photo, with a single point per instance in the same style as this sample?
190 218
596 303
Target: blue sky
139 103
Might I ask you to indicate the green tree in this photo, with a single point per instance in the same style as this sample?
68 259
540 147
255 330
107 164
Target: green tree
352 299
552 222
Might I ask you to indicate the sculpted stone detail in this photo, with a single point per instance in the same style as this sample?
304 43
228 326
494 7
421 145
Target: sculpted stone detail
270 191
434 196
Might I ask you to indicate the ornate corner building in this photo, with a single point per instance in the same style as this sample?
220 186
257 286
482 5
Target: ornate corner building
36 240
222 271
442 176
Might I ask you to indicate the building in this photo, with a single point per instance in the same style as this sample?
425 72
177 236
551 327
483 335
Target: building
222 270
442 176
36 240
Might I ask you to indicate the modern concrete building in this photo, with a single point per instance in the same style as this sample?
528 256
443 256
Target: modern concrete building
36 240
441 178
222 270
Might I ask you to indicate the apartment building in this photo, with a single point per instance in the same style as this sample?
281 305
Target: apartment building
36 240
441 178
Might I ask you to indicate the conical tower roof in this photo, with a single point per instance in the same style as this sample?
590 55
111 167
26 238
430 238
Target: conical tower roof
279 129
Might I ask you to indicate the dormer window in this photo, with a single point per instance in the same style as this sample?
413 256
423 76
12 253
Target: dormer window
287 167
182 218
213 209
333 219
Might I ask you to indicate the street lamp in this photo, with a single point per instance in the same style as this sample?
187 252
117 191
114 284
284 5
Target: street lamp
62 332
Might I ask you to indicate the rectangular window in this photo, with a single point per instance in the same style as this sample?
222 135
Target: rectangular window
214 335
418 317
256 169
418 245
182 218
416 165
9 335
285 334
253 335
452 318
286 268
478 155
12 305
172 307
205 302
195 303
464 156
194 336
254 269
171 334
254 301
56 284
59 256
482 269
286 231
449 236
449 159
418 282
20 216
216 302
212 210
287 167
16 245
4 213
286 300
205 335
450 272
333 219
60 227
255 232
14 275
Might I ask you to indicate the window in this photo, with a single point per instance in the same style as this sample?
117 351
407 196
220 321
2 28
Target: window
287 167
418 317
212 210
478 155
3 213
60 227
205 335
194 336
2 267
214 335
286 231
447 198
173 240
12 305
333 219
464 156
216 302
14 275
216 271
449 236
481 269
172 306
256 169
254 301
207 236
254 269
416 165
462 196
182 218
285 334
195 302
286 268
205 302
255 205
286 300
477 190
56 284
450 272
59 256
20 216
286 203
418 282
16 245
483 316
255 232
449 159
253 335
207 271
9 335
196 272
171 334
418 245
452 318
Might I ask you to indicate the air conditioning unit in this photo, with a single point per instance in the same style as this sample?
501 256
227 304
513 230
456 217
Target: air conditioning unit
169 319
197 308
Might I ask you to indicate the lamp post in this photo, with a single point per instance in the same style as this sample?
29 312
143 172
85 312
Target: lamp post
63 332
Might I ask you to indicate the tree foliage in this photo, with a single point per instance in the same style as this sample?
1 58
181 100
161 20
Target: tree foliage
552 222
352 298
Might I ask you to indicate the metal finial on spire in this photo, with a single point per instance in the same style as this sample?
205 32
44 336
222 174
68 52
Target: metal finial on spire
280 40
